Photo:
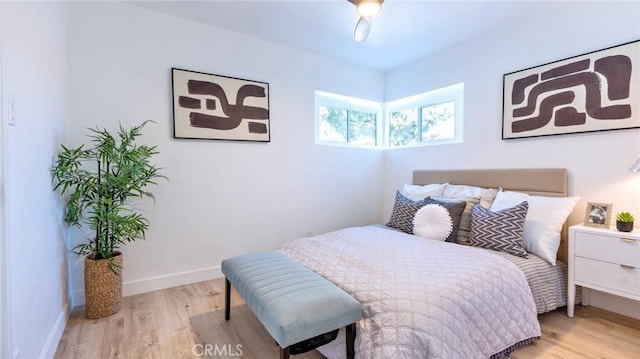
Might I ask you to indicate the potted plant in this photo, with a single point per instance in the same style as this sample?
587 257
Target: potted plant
99 183
624 221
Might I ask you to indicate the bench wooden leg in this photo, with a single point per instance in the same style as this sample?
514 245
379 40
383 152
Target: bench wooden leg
351 339
227 299
284 353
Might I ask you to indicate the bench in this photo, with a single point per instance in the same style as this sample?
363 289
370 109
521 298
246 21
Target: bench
297 306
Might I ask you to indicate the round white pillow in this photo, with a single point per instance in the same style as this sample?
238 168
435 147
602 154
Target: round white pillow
433 221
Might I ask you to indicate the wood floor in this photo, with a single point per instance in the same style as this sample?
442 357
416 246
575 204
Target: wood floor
158 325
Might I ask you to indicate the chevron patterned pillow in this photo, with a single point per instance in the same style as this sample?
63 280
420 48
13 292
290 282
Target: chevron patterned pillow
403 212
501 231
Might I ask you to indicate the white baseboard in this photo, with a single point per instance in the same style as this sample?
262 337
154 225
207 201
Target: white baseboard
51 345
160 282
614 303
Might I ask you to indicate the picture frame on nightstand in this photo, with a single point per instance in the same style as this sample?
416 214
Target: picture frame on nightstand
598 215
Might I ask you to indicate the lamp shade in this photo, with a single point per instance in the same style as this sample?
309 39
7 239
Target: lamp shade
635 167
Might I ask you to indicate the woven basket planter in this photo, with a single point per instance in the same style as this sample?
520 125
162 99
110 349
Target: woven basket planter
102 286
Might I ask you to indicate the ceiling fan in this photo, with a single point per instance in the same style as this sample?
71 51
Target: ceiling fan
366 9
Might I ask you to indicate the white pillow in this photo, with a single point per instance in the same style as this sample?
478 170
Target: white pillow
543 223
418 193
462 191
433 221
486 195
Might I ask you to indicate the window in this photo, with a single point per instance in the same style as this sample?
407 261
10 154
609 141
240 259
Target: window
434 117
342 120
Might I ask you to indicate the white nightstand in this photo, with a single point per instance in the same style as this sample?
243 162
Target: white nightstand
603 259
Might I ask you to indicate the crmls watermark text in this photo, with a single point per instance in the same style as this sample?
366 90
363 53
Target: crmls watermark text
217 350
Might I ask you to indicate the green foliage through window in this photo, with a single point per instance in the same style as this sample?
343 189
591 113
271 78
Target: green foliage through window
333 124
403 127
362 128
438 121
347 126
434 117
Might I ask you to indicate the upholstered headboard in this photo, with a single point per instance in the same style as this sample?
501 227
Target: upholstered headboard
550 182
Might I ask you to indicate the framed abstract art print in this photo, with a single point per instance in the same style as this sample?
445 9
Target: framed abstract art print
596 91
207 106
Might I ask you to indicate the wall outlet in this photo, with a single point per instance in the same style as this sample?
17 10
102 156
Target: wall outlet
309 232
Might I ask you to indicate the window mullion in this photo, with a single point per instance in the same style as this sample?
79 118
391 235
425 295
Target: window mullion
348 126
419 124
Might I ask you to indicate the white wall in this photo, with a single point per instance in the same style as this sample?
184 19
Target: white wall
4 325
597 162
34 78
225 198
222 198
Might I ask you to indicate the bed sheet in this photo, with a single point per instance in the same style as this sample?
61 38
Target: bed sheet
548 283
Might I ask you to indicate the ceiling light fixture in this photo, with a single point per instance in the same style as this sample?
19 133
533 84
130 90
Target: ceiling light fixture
363 27
367 8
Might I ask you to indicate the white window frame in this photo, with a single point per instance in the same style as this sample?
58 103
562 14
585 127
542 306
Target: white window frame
453 93
326 99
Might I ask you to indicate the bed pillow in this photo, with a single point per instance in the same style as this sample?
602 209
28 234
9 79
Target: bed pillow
433 221
501 230
488 196
544 221
461 191
403 212
455 211
464 228
418 192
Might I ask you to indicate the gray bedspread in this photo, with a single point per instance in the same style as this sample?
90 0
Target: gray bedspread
422 298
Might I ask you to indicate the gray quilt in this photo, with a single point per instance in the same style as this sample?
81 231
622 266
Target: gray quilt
422 298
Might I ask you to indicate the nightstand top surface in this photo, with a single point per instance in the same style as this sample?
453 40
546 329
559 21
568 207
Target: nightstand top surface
610 230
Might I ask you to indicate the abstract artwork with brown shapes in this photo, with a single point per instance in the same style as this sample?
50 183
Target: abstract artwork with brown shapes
596 91
207 106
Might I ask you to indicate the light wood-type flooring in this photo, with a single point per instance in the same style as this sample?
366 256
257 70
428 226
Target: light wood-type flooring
158 325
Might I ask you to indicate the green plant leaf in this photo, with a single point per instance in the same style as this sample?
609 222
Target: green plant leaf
99 183
624 217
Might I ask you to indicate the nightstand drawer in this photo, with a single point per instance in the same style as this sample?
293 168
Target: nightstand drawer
608 275
616 249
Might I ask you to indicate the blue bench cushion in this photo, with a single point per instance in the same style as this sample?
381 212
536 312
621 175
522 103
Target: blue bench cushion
291 301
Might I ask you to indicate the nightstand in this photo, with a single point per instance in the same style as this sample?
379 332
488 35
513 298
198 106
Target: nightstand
605 260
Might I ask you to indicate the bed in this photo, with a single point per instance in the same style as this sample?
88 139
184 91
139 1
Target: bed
424 298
